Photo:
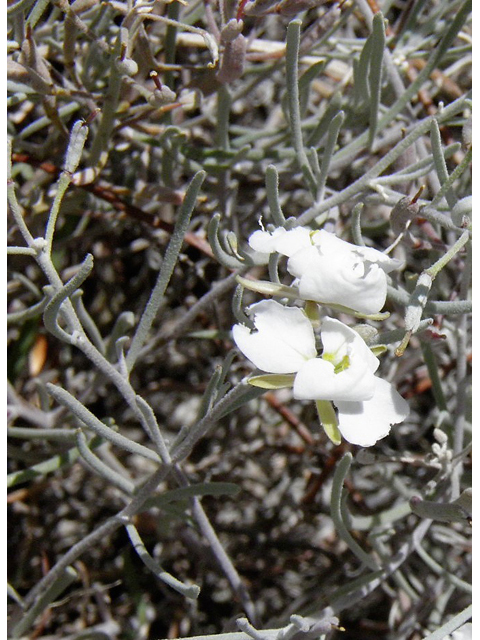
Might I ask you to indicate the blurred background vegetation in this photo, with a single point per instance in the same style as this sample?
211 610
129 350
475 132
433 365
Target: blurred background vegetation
168 89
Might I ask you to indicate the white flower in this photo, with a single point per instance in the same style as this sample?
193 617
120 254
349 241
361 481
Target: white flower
329 270
284 343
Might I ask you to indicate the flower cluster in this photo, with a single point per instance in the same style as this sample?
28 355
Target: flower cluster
282 342
329 270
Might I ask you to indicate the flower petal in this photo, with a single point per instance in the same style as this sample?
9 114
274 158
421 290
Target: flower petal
284 339
385 262
280 240
364 423
339 278
332 271
264 241
341 340
294 240
330 244
316 380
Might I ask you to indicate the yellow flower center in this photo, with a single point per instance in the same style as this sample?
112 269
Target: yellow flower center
338 366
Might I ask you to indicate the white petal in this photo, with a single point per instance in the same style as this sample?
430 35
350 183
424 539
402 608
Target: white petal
264 241
317 380
280 240
294 240
338 338
339 277
283 341
364 423
330 244
385 262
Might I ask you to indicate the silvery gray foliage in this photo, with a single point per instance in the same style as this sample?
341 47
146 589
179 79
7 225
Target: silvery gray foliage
153 491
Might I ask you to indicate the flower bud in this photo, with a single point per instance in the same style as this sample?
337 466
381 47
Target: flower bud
462 211
161 97
402 214
231 30
36 66
233 60
75 146
366 332
127 66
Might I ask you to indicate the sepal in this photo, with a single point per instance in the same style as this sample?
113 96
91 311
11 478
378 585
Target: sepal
272 381
328 420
